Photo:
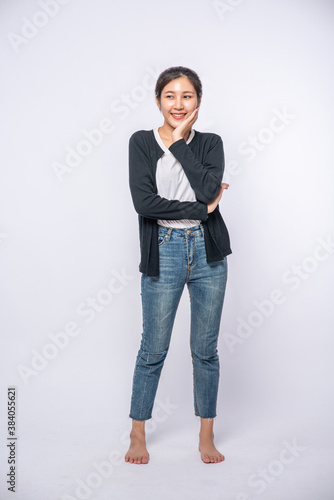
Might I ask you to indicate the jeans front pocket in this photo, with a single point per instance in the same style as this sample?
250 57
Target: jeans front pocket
161 239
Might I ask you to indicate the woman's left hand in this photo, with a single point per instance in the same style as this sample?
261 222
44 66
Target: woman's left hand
182 130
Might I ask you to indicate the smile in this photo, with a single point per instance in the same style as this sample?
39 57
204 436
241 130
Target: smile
178 115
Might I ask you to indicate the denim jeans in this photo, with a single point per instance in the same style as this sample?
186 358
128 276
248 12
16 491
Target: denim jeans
182 260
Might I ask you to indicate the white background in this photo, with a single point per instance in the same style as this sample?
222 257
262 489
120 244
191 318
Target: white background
65 236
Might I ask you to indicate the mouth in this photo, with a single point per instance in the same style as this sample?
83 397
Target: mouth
178 116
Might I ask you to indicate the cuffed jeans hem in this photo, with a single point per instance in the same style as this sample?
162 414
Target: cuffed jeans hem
140 419
199 416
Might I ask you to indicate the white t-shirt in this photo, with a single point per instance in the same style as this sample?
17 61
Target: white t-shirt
172 182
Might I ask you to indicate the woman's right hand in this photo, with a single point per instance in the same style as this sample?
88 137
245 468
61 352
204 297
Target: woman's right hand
211 206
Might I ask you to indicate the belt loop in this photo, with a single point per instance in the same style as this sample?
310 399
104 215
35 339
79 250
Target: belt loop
169 232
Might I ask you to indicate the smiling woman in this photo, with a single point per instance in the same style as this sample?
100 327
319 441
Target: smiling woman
176 184
177 99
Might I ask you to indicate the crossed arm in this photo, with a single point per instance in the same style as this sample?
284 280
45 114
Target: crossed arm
205 179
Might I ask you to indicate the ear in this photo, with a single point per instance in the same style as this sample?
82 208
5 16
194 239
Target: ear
158 103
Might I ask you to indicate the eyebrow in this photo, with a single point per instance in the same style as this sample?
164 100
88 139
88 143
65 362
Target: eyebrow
185 92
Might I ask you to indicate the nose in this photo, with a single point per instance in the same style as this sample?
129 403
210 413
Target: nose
178 103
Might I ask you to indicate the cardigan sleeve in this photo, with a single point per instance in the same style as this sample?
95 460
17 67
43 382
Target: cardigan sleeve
144 192
206 178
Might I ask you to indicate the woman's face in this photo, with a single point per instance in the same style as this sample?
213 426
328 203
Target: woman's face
178 101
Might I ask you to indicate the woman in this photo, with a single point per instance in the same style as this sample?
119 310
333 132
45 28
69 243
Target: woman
175 182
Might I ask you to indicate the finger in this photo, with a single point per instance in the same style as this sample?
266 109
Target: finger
193 115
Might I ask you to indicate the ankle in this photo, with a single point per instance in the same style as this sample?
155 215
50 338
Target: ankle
137 432
206 431
206 434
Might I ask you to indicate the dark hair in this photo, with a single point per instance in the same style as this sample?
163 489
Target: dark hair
174 72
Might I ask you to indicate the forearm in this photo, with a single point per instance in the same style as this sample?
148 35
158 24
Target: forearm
154 206
205 179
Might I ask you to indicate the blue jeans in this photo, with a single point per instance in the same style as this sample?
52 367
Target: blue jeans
182 260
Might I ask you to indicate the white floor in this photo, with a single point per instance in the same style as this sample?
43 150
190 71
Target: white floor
70 458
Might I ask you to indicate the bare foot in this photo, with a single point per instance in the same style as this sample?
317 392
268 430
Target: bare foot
209 453
137 452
